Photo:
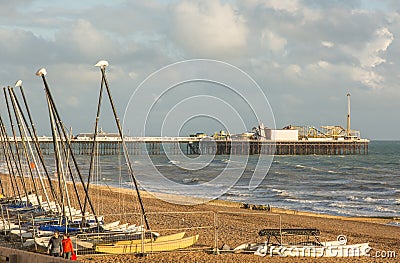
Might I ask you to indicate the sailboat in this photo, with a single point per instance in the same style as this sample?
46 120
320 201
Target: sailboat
149 246
161 243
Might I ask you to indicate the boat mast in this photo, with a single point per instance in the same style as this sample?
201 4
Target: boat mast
94 143
41 73
9 156
35 138
23 136
17 162
103 64
56 154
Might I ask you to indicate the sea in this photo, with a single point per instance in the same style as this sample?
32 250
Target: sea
346 185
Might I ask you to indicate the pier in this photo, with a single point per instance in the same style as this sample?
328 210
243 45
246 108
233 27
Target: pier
208 146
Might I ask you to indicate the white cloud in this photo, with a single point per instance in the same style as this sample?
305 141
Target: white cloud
85 39
133 75
370 56
327 44
291 6
293 71
208 28
323 64
273 41
368 77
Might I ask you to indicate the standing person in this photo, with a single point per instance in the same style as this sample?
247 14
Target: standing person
54 247
67 246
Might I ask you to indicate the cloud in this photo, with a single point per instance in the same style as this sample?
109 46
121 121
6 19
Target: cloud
371 57
208 28
290 6
327 44
304 49
85 40
273 41
368 77
293 71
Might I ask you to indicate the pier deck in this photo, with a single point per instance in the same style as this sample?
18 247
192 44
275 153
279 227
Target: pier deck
195 146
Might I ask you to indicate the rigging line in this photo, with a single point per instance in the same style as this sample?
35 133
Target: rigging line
56 153
6 158
61 128
69 145
67 153
125 150
8 153
17 164
17 116
36 142
94 142
66 156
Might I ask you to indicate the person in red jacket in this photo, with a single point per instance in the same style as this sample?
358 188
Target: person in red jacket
67 246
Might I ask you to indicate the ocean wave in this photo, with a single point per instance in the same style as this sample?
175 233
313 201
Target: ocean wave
340 205
393 224
107 179
386 209
282 193
237 194
372 200
302 201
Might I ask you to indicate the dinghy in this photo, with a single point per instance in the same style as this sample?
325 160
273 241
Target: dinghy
158 239
148 247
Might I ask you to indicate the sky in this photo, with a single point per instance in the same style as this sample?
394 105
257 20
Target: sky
304 56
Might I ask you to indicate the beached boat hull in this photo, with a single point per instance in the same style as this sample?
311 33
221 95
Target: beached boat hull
156 246
147 240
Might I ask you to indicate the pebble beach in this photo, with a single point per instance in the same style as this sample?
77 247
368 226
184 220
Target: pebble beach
225 225
236 225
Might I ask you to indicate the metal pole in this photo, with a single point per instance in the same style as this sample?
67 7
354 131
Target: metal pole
56 154
36 142
348 115
8 158
130 169
42 73
94 140
17 116
17 164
